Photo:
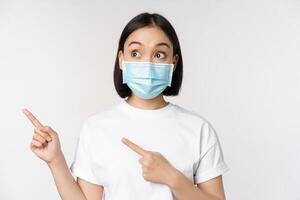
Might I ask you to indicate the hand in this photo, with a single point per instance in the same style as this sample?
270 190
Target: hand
45 141
156 168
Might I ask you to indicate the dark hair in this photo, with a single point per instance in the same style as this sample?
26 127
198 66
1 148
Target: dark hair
140 21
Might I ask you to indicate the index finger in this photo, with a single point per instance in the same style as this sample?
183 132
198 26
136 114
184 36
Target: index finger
134 147
32 118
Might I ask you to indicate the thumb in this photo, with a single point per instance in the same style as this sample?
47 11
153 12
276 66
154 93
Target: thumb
48 130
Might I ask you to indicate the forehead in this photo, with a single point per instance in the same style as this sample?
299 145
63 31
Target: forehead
148 36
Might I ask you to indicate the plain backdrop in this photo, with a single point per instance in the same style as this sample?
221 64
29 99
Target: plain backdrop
241 72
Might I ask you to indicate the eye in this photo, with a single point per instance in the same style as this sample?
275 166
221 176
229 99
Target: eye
160 54
135 53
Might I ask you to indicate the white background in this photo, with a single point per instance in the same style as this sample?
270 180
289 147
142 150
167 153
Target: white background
241 72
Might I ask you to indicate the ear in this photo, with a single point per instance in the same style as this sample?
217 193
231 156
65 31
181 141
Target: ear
175 61
120 57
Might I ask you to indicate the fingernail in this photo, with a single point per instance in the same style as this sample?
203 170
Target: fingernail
48 139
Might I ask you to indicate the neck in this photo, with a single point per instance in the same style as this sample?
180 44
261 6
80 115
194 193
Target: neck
148 104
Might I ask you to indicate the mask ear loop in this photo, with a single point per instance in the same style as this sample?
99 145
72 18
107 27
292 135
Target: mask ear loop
123 72
171 74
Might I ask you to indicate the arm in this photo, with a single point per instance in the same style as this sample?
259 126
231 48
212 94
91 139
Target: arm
208 174
157 169
90 190
46 145
184 189
67 187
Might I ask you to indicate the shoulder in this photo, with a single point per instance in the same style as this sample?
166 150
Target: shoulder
104 116
195 120
190 115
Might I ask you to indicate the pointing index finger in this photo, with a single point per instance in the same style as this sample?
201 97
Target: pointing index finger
32 118
134 147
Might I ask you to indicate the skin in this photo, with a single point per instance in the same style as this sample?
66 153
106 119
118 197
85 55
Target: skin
45 145
142 45
145 44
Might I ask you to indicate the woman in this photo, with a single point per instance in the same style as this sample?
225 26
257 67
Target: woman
144 147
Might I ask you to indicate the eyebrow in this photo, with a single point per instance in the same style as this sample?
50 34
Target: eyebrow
159 44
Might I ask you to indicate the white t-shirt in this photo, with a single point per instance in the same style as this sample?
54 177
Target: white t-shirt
184 138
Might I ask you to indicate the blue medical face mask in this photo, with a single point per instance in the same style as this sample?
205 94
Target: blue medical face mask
146 79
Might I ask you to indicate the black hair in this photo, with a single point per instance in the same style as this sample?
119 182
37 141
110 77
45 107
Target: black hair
140 21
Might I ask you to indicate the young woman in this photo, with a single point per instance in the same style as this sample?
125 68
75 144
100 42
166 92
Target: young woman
143 148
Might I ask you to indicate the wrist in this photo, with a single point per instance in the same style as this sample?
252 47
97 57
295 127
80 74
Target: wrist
57 160
174 178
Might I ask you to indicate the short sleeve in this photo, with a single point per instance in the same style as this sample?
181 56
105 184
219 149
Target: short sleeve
82 165
211 160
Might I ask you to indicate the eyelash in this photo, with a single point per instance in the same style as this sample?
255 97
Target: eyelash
162 53
135 51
